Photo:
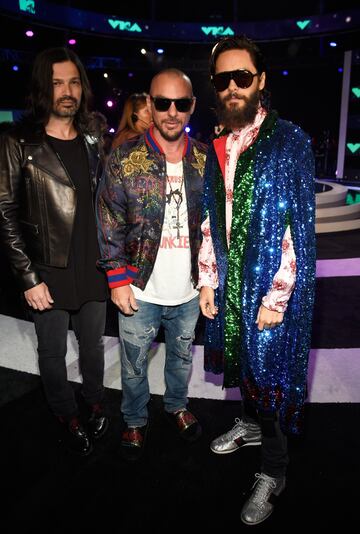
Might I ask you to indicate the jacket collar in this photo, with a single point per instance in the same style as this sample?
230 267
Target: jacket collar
220 149
154 145
43 155
220 142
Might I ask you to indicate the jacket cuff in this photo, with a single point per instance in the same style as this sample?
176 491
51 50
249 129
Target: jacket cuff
279 306
123 276
28 280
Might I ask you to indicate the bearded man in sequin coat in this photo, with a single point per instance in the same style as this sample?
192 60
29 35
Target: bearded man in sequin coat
257 265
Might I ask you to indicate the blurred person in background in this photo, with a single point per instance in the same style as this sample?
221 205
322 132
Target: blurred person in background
135 120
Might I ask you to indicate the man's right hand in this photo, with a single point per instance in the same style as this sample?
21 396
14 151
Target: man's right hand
38 297
123 298
207 304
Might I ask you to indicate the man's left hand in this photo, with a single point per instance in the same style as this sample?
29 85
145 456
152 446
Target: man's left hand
268 319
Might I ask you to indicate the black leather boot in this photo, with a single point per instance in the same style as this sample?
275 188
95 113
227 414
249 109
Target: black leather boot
98 423
75 437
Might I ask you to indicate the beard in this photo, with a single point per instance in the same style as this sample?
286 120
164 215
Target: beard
234 118
168 136
61 111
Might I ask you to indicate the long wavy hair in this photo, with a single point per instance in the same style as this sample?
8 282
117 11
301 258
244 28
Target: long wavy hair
40 102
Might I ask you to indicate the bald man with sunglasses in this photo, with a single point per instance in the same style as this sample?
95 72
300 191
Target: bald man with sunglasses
257 265
149 211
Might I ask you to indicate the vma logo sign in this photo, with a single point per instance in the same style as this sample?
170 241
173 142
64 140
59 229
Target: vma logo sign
302 24
27 5
353 147
124 25
217 30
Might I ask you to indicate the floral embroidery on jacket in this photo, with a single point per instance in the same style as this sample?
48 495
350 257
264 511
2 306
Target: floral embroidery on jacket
200 161
136 162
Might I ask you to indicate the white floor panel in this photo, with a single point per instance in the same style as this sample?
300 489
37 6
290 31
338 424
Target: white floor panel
334 374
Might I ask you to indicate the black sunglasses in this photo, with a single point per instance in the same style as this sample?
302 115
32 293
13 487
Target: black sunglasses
162 104
242 77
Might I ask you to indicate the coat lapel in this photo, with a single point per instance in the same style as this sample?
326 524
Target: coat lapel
220 150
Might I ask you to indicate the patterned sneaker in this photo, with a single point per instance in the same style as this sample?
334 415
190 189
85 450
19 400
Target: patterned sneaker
133 442
260 505
186 423
242 434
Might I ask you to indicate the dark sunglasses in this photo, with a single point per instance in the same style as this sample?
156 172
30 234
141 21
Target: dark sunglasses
162 104
242 77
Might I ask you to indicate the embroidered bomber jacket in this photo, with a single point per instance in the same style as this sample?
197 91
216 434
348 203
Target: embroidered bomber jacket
130 208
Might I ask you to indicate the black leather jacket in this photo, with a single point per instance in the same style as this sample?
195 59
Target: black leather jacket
37 201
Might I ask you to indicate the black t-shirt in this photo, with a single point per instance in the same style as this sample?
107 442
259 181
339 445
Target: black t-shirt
81 281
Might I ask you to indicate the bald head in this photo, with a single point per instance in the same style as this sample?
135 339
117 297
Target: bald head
171 77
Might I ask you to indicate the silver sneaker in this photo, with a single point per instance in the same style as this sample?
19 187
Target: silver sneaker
242 434
258 507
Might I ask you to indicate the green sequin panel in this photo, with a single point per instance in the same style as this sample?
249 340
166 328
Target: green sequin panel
241 215
242 200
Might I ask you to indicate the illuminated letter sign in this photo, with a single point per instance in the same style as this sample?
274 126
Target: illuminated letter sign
123 25
217 30
27 5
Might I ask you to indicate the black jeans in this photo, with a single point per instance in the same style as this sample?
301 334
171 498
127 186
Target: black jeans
274 450
51 329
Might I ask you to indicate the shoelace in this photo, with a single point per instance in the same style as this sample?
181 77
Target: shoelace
239 425
263 486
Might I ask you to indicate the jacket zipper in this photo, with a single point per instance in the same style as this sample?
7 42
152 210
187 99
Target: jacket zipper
67 174
28 194
74 188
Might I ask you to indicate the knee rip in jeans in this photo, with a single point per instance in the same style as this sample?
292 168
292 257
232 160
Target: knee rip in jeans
135 347
134 358
185 343
133 335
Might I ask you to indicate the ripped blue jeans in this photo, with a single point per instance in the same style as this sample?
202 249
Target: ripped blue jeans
137 332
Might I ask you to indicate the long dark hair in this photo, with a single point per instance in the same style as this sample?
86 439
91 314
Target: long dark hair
41 93
242 42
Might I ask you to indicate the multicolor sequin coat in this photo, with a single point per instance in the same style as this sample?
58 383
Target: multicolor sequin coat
131 207
274 186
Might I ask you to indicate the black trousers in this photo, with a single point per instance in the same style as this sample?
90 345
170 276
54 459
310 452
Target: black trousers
274 449
51 329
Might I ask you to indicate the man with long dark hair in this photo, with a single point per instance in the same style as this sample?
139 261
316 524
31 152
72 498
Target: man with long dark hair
257 265
49 167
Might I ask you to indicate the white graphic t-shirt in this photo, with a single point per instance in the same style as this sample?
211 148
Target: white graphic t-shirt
170 282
